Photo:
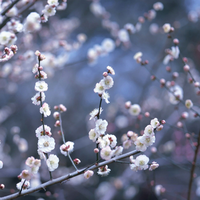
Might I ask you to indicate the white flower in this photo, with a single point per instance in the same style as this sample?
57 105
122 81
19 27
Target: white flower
188 104
147 140
25 185
173 53
106 96
52 162
92 54
158 6
111 70
101 126
155 123
106 153
40 132
166 27
159 189
108 45
154 165
88 174
66 148
103 171
1 164
135 109
139 143
127 144
5 37
93 135
26 174
107 82
94 113
134 167
137 56
149 130
123 35
142 162
36 100
32 22
117 151
53 2
99 88
175 94
112 140
35 68
103 142
49 11
41 86
45 110
46 144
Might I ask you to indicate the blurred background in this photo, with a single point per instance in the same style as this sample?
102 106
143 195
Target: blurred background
71 80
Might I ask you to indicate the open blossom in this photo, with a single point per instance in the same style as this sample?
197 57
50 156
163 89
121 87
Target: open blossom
37 98
148 140
117 151
25 185
112 140
106 96
99 88
93 135
49 11
101 126
155 123
158 6
66 148
104 170
140 145
108 45
154 165
53 2
172 54
40 132
123 35
52 162
95 112
107 82
111 70
188 104
26 174
135 109
127 144
167 27
149 130
106 153
88 174
176 94
142 162
41 86
46 143
32 22
6 38
45 110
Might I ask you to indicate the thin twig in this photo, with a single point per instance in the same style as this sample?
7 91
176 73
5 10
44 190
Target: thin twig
193 168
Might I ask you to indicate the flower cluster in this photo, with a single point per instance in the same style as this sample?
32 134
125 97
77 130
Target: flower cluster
25 176
105 83
8 53
46 143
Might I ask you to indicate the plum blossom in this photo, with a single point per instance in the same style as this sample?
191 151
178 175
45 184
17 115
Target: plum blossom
66 148
155 123
107 82
25 185
93 135
52 162
41 86
45 110
106 153
108 45
104 170
95 112
101 126
36 100
140 163
135 109
172 54
40 131
88 174
46 143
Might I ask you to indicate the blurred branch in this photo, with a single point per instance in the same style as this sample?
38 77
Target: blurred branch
193 168
68 176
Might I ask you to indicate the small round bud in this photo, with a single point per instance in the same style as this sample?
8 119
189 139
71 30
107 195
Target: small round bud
2 186
55 107
48 193
37 53
153 78
130 133
105 74
59 133
159 128
76 161
141 19
62 108
153 149
185 60
179 124
162 82
127 104
146 62
186 68
171 29
175 75
187 135
40 68
41 57
56 115
96 150
57 124
168 69
184 115
176 41
146 114
163 121
196 84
